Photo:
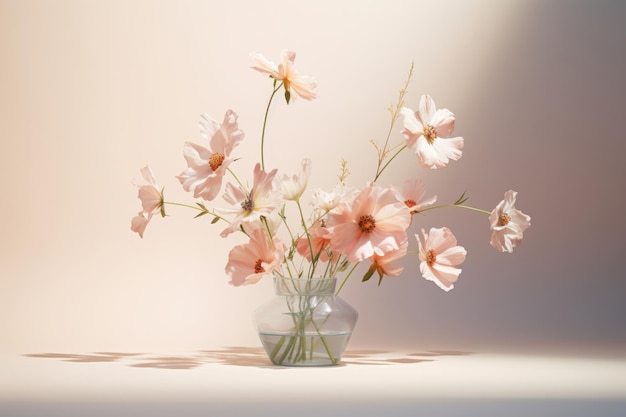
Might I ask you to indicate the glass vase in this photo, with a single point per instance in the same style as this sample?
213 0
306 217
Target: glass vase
305 323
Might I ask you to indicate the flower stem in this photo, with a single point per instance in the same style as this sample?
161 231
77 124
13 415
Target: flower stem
267 111
324 342
380 170
182 205
395 113
456 205
346 278
236 178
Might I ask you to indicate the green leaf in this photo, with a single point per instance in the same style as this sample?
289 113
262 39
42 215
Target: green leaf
343 265
200 214
287 96
462 199
369 273
215 220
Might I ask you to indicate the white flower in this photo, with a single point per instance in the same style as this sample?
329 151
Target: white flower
508 224
292 188
427 132
326 201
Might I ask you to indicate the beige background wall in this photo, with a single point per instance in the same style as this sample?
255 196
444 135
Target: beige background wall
91 91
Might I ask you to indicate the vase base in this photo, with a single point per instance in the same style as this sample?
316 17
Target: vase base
305 350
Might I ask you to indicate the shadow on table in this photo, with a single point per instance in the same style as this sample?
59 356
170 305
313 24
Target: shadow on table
242 356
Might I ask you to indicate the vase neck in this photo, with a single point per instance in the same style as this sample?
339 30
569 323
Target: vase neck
304 285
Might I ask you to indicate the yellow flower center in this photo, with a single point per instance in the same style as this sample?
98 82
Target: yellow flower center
215 160
504 219
410 203
258 267
430 133
431 257
367 224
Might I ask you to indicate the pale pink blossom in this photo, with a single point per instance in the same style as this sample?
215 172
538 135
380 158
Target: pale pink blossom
319 243
207 166
412 195
151 198
326 201
375 222
293 187
271 223
389 264
248 263
508 224
439 256
427 132
301 85
248 206
138 224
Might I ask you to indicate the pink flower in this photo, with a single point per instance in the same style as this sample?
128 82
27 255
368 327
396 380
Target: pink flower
207 166
302 85
389 263
249 206
248 263
508 224
374 223
320 241
412 195
440 255
151 202
427 132
292 188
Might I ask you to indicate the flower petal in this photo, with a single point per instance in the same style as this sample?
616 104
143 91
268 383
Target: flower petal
261 64
426 110
443 122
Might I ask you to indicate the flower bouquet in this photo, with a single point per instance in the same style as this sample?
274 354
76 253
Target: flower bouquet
343 226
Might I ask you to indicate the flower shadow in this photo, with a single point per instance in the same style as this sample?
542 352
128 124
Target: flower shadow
243 356
84 358
385 357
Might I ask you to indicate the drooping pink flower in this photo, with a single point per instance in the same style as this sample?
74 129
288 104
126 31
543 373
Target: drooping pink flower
301 85
389 263
249 206
293 187
248 263
375 222
319 243
138 224
427 132
412 195
207 166
151 198
508 224
439 256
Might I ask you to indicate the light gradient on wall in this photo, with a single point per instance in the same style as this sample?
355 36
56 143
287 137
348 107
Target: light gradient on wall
92 91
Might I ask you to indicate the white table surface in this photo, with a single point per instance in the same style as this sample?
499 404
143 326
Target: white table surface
241 381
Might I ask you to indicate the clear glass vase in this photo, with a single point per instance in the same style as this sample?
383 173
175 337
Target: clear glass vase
305 323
